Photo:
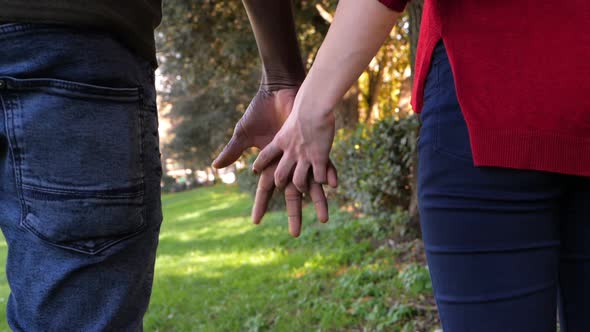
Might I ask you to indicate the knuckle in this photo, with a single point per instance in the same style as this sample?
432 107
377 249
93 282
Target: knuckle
280 139
291 193
300 186
291 198
299 181
280 178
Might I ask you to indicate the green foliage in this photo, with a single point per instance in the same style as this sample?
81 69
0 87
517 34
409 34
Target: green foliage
416 279
210 69
375 165
215 271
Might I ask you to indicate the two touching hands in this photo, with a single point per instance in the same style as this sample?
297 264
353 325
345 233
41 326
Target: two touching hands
295 140
293 122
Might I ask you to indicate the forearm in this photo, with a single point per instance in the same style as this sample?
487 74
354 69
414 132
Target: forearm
358 30
274 29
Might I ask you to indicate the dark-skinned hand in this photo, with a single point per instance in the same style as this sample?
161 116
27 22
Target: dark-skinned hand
263 118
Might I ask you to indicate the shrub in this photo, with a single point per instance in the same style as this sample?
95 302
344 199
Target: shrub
375 165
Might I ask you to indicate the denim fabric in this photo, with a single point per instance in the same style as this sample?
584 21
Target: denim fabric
504 246
80 178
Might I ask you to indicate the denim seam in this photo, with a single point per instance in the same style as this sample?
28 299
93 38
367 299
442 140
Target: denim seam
16 27
141 150
47 83
490 249
44 25
17 155
81 249
14 162
501 297
86 193
438 149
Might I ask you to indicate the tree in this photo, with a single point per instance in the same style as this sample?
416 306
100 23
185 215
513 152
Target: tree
210 65
209 62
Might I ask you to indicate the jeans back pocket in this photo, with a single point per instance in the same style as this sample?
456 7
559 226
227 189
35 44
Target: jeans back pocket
78 156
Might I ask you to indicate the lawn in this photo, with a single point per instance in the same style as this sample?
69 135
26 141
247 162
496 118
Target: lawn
216 271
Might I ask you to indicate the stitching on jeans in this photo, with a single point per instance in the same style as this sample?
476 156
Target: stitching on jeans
107 193
17 155
48 84
82 249
10 136
141 151
459 250
500 297
443 151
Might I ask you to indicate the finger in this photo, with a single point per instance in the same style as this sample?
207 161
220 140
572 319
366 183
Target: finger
234 148
293 202
266 156
319 171
332 175
264 191
319 200
300 176
284 171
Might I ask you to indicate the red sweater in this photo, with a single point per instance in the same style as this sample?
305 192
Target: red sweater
522 72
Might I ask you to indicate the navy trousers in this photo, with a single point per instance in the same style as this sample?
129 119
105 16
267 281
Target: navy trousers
505 247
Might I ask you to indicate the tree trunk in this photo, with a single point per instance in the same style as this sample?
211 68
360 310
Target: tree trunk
347 110
415 11
374 89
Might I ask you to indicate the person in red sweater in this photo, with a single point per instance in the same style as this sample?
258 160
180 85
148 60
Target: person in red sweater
503 151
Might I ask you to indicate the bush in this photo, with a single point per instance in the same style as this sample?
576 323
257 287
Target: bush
375 165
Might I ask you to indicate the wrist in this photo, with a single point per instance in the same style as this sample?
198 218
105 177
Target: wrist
274 79
317 96
311 103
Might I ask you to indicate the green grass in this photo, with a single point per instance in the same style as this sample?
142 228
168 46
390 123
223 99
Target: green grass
216 271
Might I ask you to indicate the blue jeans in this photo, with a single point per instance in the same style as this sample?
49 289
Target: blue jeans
79 179
504 246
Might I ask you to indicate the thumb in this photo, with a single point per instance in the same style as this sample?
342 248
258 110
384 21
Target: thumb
233 150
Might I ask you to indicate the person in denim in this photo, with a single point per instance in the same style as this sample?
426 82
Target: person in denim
80 178
80 189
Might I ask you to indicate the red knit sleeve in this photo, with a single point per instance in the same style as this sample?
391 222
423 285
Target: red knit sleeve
397 5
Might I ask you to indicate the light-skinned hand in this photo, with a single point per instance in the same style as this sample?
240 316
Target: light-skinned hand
258 126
